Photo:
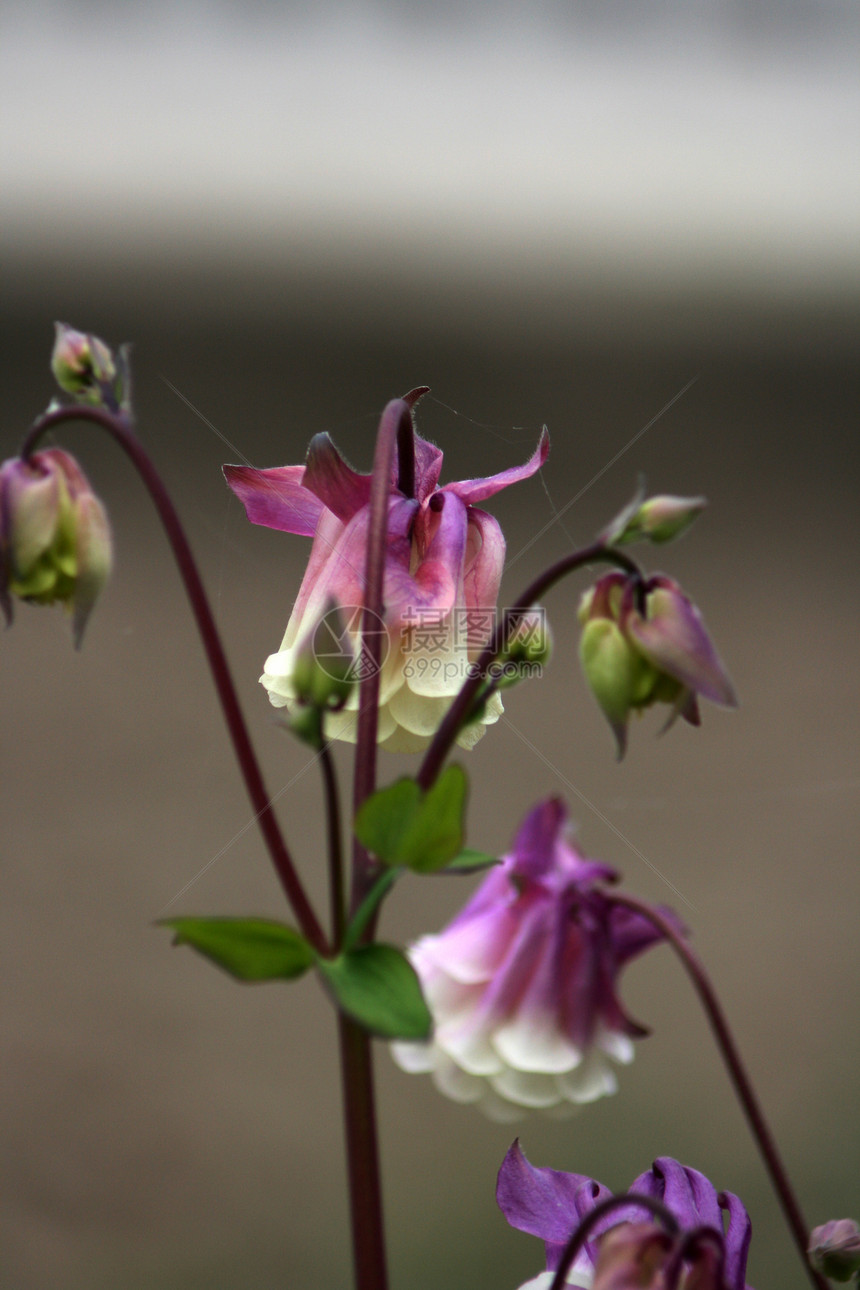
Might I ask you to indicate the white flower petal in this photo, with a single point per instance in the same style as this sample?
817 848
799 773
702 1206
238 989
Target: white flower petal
618 1046
527 1088
499 1109
594 1078
531 1041
418 713
456 1083
415 1059
470 1048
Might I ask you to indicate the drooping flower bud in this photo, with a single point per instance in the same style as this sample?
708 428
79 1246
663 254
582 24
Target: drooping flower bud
55 542
645 643
834 1249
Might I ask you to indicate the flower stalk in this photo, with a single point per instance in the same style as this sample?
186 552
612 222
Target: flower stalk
119 427
737 1073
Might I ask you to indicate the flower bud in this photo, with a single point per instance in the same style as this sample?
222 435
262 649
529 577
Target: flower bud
324 672
644 642
82 364
663 518
55 542
834 1249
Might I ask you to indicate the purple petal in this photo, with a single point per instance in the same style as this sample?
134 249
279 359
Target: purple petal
335 483
478 490
436 581
544 1202
535 843
428 468
275 498
633 933
673 638
687 1193
738 1236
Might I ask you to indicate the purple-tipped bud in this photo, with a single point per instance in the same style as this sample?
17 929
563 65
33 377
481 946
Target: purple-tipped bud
834 1249
670 633
55 542
645 643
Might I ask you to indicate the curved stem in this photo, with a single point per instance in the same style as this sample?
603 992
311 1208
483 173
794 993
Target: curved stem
593 1217
447 733
337 895
119 427
737 1073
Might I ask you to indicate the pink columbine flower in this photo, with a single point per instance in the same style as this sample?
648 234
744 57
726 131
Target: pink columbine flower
443 567
550 1204
522 983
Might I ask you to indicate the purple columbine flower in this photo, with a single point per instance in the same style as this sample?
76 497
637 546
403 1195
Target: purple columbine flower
551 1205
522 983
443 567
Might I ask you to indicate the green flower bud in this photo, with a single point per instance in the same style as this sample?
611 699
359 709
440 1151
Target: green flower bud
82 365
55 543
618 676
663 518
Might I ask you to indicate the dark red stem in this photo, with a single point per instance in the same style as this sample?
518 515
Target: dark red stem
737 1073
362 1152
365 1182
593 1217
337 894
443 740
396 422
119 427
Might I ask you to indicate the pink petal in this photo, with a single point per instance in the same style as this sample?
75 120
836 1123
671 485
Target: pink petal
673 638
428 467
336 484
434 585
483 573
478 490
275 498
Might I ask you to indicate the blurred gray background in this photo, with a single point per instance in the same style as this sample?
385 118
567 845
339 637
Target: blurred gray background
554 213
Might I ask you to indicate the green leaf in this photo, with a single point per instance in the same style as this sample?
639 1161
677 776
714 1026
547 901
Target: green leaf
469 861
250 949
418 831
384 817
377 986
